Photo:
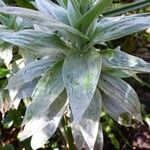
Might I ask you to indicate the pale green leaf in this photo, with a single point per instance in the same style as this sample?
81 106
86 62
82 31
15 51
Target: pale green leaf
80 75
47 90
89 124
26 90
36 41
124 61
41 19
87 19
111 28
40 138
122 93
2 3
116 110
51 8
73 12
29 72
36 124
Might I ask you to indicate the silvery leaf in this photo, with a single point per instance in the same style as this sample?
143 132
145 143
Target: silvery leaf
80 75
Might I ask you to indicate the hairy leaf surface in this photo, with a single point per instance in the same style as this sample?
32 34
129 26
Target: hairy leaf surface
47 90
51 8
80 75
29 72
111 28
122 93
124 61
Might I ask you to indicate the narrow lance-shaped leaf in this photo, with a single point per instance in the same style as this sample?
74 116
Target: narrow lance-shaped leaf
116 111
51 8
87 19
36 124
41 19
111 28
80 75
73 12
122 93
126 62
47 90
89 124
128 7
29 72
40 138
36 41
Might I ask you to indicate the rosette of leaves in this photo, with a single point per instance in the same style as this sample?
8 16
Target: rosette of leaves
71 72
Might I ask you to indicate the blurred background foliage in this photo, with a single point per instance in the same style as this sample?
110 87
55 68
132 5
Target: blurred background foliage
116 137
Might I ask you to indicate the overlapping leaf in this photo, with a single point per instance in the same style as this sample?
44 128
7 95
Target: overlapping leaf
122 93
41 19
111 28
47 90
116 111
89 124
73 12
36 41
36 124
87 19
51 8
124 61
80 75
29 72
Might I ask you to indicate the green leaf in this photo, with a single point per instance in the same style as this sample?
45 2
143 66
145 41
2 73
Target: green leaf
51 8
73 12
84 23
47 90
122 94
85 5
111 28
89 124
25 4
124 61
49 116
41 19
36 41
126 8
62 3
80 75
29 72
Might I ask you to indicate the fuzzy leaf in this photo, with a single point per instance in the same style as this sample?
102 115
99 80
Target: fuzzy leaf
124 61
41 19
29 72
80 75
122 93
111 28
47 90
36 124
40 138
36 41
84 23
89 124
26 90
116 111
51 8
73 12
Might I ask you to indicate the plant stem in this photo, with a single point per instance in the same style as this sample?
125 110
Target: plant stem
68 133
